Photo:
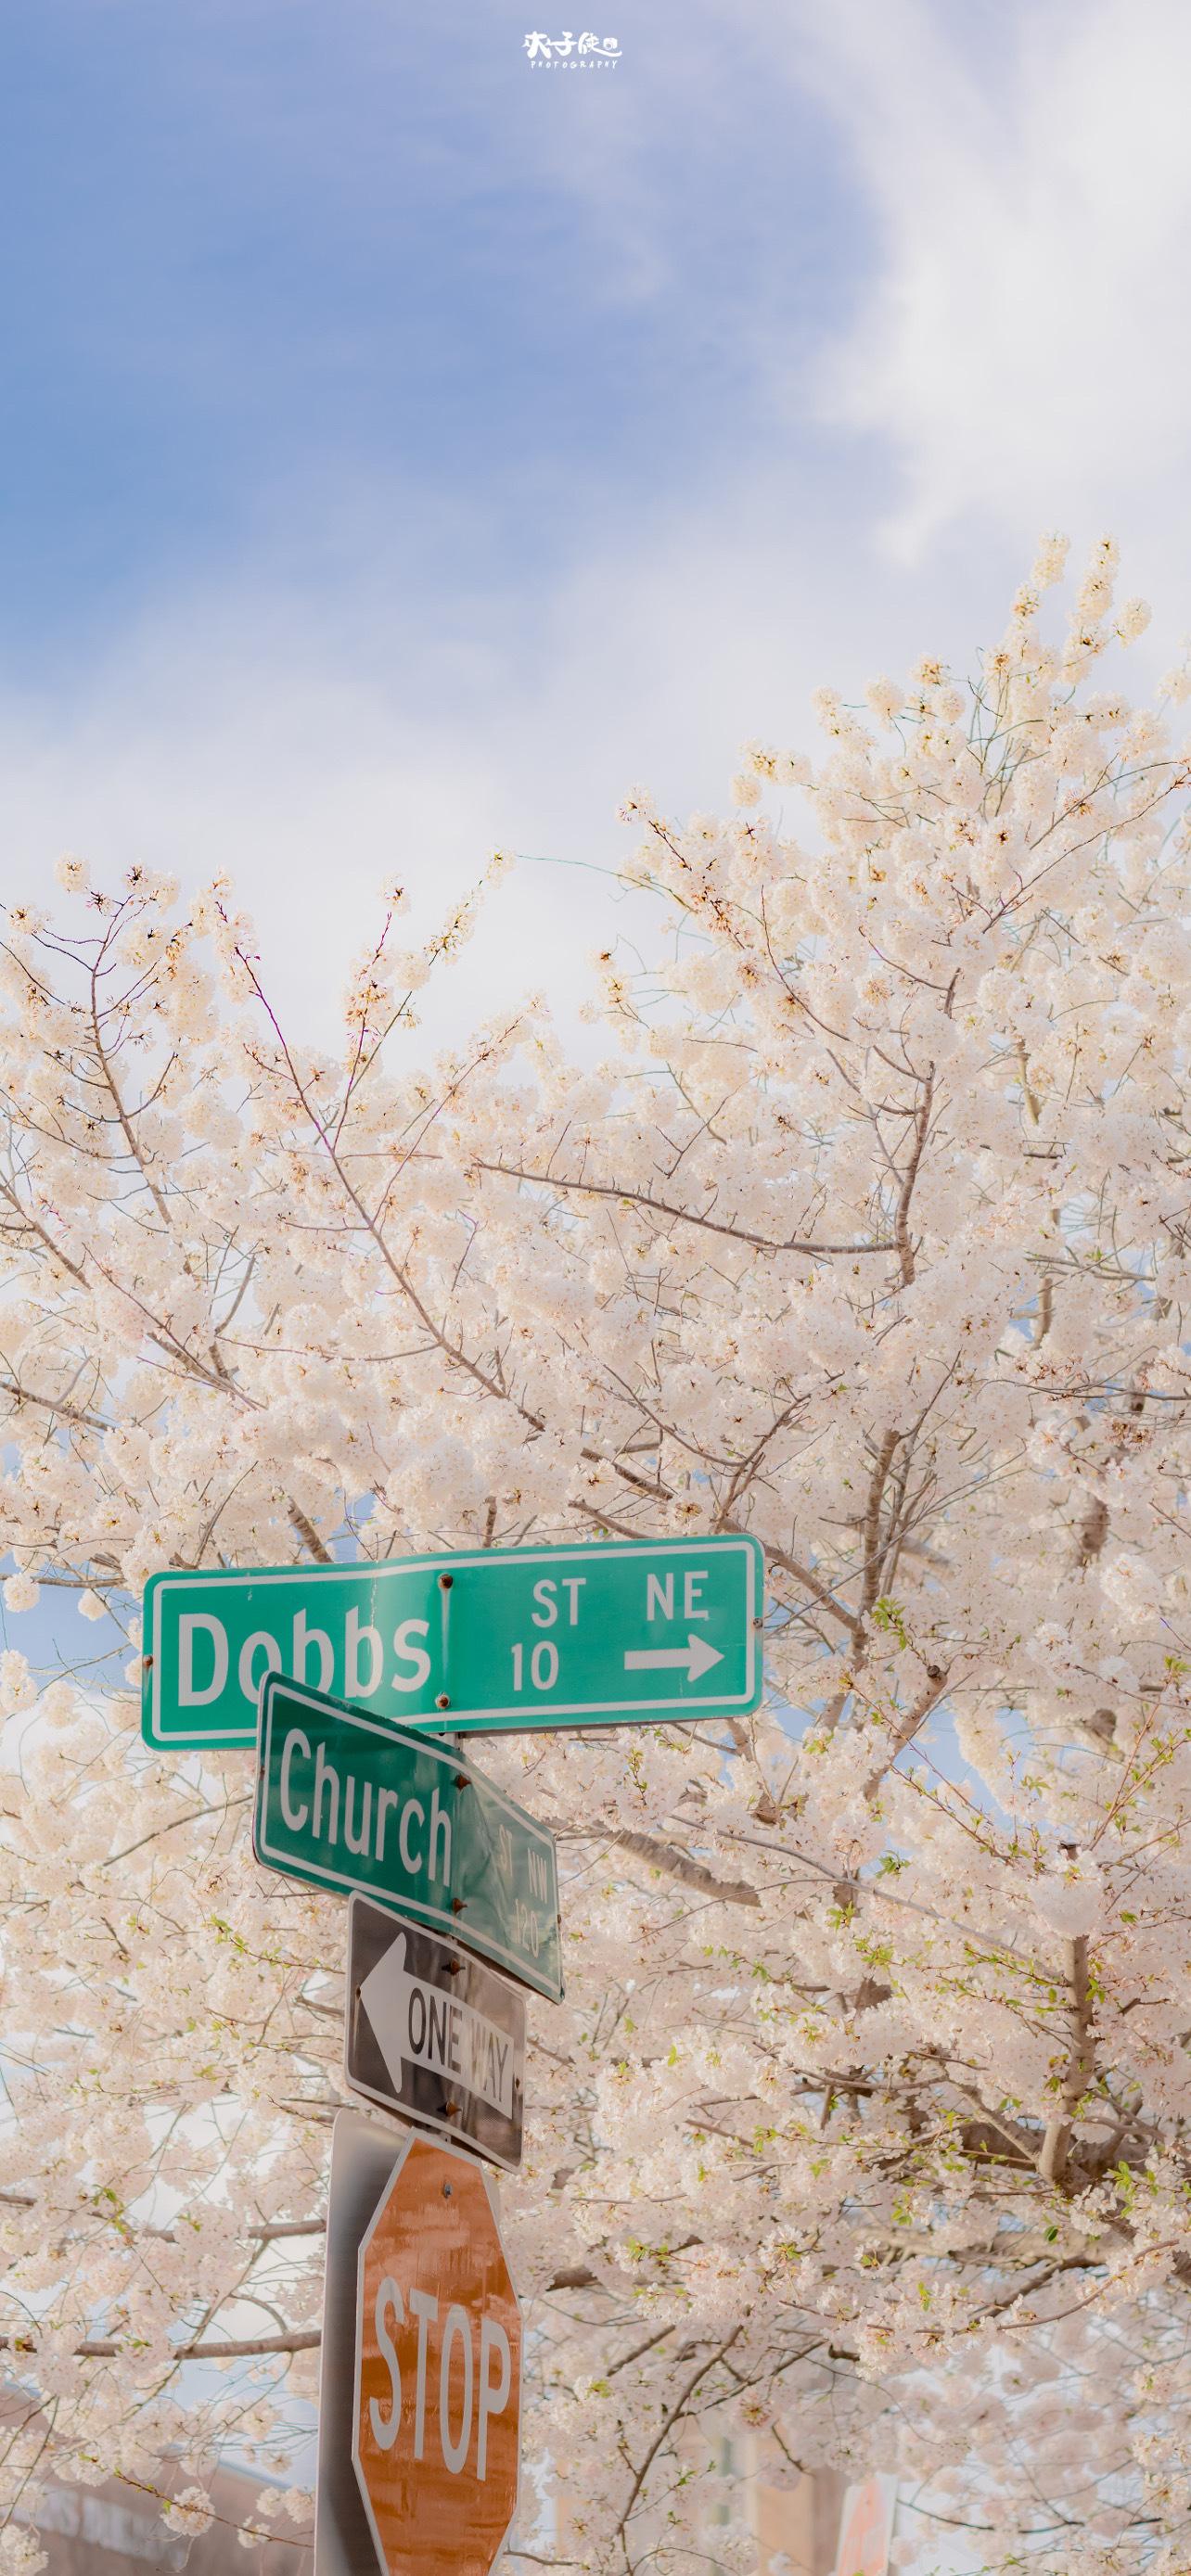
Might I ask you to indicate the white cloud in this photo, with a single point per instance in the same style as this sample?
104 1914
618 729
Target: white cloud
1020 349
314 755
1026 342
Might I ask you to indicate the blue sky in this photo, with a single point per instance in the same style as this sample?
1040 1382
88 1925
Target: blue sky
407 452
278 276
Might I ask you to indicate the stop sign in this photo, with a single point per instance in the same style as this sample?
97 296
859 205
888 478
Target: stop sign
438 2369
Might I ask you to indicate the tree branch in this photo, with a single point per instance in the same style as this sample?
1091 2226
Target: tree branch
103 2348
674 1863
685 1216
1052 2161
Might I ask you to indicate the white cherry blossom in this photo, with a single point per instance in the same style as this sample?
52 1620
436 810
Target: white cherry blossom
865 2119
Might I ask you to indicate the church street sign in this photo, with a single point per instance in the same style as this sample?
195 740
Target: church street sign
505 1639
347 1803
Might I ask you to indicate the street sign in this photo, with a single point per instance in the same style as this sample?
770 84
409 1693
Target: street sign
351 1804
432 2034
363 2153
505 1638
436 2436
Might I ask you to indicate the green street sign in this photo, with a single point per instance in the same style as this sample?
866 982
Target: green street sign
505 1638
350 1803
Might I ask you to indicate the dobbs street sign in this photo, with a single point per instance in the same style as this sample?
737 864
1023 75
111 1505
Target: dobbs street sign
433 2034
351 1804
507 1638
436 2437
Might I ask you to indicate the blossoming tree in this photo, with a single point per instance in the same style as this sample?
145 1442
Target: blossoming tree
865 2122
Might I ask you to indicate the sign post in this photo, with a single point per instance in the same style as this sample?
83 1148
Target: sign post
363 2153
506 1639
349 1804
433 2035
421 2322
436 2431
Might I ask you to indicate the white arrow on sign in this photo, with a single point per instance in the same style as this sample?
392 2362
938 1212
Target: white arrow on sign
418 2023
695 1658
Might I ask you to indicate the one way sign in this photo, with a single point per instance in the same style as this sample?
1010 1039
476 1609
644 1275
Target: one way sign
433 2033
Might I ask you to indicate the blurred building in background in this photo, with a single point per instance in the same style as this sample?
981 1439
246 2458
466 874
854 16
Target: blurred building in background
117 2530
798 2524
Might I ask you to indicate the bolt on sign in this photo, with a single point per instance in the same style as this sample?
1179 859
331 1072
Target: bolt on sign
505 1639
436 2435
433 2035
360 1807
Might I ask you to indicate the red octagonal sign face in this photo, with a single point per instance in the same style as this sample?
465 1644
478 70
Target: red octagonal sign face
438 2369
